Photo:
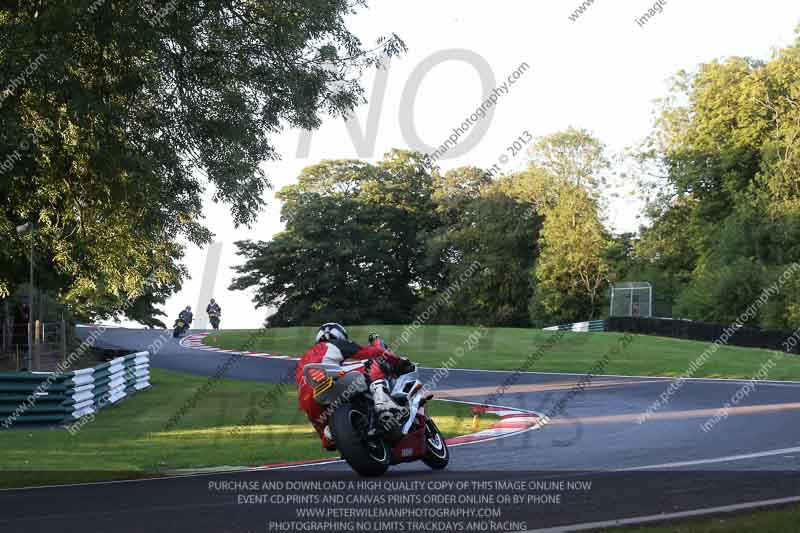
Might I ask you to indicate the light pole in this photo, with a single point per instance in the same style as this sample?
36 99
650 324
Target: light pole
29 227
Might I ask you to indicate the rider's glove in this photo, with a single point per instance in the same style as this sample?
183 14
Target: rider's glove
376 340
403 365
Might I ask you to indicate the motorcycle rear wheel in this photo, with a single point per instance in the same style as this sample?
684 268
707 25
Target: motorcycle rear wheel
368 458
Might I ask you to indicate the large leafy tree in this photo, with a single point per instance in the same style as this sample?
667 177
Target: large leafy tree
484 249
728 215
499 233
454 192
354 244
574 156
566 182
119 115
572 270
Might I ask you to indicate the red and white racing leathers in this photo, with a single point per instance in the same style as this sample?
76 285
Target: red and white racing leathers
334 352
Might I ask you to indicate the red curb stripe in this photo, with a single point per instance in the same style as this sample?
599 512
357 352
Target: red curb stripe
520 415
463 439
513 425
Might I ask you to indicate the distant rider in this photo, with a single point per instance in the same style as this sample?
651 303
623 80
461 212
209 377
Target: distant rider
186 316
213 308
213 311
333 347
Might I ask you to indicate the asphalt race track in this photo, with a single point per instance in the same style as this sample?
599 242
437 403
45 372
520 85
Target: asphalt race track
667 464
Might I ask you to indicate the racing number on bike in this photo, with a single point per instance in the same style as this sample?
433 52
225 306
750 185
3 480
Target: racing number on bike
323 386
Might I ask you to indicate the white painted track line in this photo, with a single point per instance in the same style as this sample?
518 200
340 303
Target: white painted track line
725 459
668 516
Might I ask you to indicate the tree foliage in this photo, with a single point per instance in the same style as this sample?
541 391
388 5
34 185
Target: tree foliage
353 248
727 221
120 115
572 156
489 239
572 271
380 243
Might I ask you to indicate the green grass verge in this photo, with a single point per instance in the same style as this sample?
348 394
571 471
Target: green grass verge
776 521
132 439
509 348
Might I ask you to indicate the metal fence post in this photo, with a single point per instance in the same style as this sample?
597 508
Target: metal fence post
37 347
63 340
6 327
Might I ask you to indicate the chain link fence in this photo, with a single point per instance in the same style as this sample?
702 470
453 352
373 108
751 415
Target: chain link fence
631 299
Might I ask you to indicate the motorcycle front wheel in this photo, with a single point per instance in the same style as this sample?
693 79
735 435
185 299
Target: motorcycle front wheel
437 454
368 457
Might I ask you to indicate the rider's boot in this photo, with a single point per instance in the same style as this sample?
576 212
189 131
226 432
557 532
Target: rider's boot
385 407
327 439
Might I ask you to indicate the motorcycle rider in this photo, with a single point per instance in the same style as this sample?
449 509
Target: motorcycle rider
332 347
213 308
187 316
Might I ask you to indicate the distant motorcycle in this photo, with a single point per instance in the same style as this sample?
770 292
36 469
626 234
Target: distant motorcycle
180 328
368 445
213 316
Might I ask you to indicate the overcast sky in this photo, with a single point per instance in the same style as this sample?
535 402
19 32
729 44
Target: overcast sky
601 72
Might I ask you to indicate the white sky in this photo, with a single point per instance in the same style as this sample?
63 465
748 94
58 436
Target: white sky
601 73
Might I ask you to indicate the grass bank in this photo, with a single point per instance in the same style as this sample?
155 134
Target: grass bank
510 348
134 439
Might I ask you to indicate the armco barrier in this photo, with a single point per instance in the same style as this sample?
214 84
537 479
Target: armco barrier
46 397
701 331
592 325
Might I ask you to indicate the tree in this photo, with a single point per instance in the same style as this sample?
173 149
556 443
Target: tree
459 186
121 114
621 256
729 208
668 249
380 243
572 156
571 269
485 252
722 292
333 262
353 247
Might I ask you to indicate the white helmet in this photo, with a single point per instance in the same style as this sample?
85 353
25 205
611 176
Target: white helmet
331 331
